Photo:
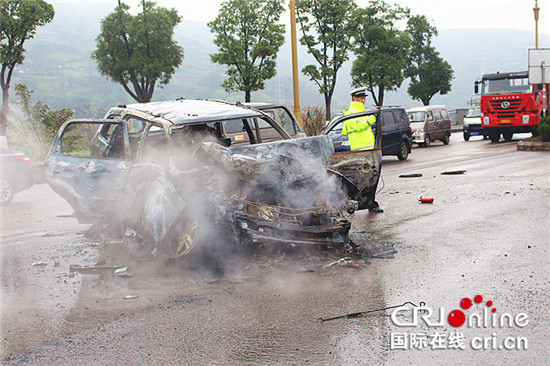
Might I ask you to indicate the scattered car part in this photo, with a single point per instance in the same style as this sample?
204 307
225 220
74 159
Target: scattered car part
454 172
121 271
414 175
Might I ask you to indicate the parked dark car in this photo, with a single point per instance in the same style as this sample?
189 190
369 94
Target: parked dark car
16 174
164 173
396 133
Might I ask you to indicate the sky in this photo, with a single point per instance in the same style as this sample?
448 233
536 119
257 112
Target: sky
445 14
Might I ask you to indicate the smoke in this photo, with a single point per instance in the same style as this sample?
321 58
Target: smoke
205 183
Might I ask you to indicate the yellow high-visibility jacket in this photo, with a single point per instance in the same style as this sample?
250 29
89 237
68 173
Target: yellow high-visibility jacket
359 129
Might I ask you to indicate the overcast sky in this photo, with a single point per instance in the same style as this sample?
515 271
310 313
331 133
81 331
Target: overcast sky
445 14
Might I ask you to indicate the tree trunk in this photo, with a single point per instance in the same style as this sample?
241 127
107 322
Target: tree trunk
247 96
380 96
328 101
4 116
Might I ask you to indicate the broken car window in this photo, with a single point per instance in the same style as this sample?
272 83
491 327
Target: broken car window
87 140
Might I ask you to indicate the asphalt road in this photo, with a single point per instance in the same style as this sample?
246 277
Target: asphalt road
486 233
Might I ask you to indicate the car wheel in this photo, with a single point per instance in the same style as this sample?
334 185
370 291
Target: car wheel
466 135
446 139
427 141
403 151
6 192
507 136
181 238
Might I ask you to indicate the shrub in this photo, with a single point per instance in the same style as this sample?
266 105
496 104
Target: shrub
544 128
313 120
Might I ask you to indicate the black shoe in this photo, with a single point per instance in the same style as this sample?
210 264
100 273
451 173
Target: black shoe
376 209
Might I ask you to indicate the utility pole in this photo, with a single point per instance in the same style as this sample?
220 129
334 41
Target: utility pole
295 84
536 10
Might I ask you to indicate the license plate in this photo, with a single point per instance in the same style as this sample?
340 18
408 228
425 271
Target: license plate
505 121
474 133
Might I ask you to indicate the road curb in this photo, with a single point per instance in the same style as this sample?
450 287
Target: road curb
533 146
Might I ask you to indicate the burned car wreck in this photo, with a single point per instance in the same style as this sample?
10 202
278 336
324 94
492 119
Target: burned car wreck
165 175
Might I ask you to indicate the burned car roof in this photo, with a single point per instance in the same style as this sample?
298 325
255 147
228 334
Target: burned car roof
183 111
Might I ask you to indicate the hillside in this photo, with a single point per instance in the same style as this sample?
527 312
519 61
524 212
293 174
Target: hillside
59 69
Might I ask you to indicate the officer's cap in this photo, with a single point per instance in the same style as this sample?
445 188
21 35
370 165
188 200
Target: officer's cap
359 92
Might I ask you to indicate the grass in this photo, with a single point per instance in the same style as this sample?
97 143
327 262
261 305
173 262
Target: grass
533 139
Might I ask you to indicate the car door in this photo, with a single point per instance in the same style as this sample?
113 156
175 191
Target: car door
360 170
286 120
390 133
438 125
87 166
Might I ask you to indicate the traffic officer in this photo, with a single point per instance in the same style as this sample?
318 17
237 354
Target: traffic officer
360 135
359 129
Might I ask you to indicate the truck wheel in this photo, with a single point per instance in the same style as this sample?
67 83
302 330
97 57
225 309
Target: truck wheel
403 151
494 136
466 135
535 131
507 136
446 139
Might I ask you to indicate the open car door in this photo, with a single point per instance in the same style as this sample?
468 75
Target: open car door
360 170
87 166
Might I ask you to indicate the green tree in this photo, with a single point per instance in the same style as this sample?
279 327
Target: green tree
18 22
248 39
138 51
381 49
429 73
35 132
327 27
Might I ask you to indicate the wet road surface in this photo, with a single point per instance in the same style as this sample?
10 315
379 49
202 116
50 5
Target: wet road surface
485 234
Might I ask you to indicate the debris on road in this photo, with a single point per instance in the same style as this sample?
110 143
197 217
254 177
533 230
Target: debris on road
130 297
361 313
348 262
121 271
425 200
39 264
454 172
414 175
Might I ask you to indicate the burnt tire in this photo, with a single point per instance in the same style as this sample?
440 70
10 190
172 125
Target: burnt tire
6 192
466 135
403 153
181 238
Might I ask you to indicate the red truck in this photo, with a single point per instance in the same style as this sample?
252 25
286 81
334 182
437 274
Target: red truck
509 104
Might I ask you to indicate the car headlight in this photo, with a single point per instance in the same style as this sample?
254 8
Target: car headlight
525 118
486 121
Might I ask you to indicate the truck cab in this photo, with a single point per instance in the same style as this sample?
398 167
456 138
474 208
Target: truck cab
509 104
